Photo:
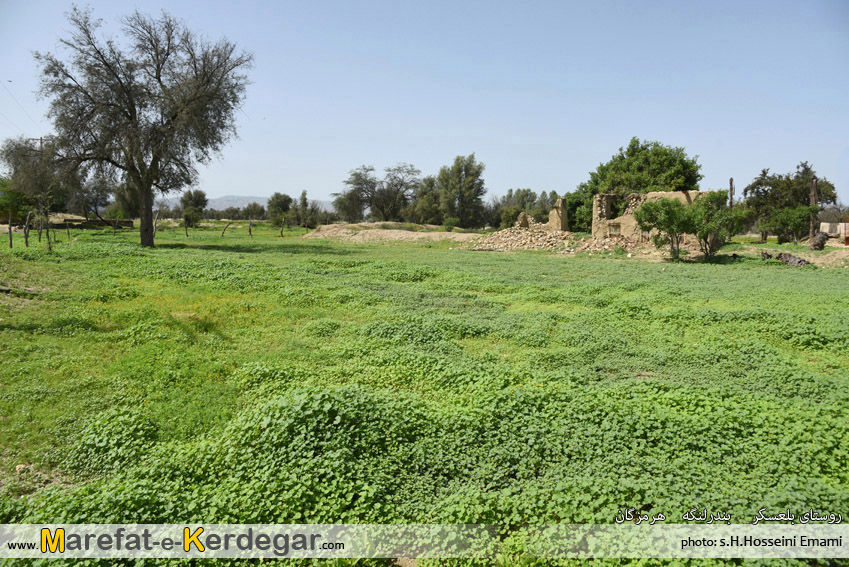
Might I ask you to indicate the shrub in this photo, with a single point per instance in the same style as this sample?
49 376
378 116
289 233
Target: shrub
670 219
112 440
713 222
451 223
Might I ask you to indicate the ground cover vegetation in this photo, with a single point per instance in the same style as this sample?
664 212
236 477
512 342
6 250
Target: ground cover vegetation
284 380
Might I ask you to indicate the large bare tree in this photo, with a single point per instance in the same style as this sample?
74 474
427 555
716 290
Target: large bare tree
149 111
384 197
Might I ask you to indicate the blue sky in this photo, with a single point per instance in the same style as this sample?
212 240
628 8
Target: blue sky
542 92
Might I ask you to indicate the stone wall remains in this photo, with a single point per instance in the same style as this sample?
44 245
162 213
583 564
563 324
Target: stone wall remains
626 225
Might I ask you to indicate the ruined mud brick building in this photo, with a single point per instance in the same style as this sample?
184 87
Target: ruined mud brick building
835 229
605 206
558 219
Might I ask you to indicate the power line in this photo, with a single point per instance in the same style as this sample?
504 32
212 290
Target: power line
9 123
19 104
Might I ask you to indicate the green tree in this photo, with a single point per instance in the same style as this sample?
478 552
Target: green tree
669 218
12 204
349 205
254 211
194 198
126 201
304 213
505 210
789 223
193 204
303 209
642 167
147 113
38 176
426 203
92 196
713 223
232 213
278 205
777 198
461 190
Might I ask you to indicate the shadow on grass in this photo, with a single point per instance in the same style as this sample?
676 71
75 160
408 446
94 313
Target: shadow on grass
61 326
722 259
727 259
260 248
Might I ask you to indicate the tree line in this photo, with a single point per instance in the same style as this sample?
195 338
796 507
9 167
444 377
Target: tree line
281 209
777 204
454 196
133 119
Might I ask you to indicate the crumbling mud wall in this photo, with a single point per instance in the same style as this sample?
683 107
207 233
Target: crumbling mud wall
835 229
558 218
605 205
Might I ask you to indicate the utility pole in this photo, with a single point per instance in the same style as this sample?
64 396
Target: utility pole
731 193
41 212
40 142
813 204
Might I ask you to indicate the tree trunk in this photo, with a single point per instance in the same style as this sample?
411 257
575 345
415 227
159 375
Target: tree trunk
250 227
186 227
225 228
281 230
10 228
47 235
155 222
146 215
68 230
26 230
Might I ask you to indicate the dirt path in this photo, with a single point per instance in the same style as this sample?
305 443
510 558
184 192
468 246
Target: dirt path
371 232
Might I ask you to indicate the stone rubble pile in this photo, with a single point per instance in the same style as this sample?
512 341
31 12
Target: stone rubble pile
603 244
535 237
528 234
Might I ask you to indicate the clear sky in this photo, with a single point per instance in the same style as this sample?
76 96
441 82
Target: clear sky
542 92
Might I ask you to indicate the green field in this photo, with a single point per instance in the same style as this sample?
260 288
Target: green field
286 380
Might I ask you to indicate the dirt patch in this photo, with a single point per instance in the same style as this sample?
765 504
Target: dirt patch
838 258
28 478
371 232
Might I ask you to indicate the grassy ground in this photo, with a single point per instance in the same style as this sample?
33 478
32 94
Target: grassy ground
284 380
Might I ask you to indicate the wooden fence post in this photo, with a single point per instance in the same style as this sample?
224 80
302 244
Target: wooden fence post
26 230
813 204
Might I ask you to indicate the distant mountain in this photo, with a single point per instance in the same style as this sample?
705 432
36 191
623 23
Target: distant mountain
221 203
